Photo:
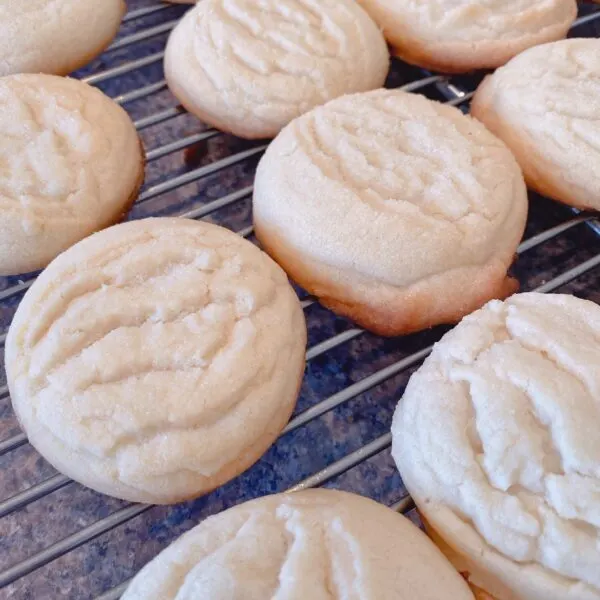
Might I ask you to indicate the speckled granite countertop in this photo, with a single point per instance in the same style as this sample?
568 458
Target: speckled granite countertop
112 557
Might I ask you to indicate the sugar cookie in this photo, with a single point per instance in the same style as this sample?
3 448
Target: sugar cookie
70 163
249 67
545 105
314 545
55 36
156 359
460 35
396 211
497 441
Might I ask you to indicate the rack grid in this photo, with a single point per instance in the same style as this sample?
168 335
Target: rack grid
60 539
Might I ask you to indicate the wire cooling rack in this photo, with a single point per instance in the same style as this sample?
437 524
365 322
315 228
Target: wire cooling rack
59 539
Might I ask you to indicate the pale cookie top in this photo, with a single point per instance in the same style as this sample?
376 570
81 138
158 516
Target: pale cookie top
69 153
55 36
549 97
268 61
70 164
500 426
442 21
156 348
316 544
386 178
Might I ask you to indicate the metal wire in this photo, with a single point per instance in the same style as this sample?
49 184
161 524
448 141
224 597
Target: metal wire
456 95
140 36
144 12
123 69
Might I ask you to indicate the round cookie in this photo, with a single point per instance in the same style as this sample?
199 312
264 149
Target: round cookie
545 105
157 359
55 36
463 35
394 210
314 544
249 67
70 163
497 441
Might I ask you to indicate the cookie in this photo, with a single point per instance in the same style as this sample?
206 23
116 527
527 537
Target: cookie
157 359
462 35
394 210
545 105
73 164
496 439
249 67
55 36
314 544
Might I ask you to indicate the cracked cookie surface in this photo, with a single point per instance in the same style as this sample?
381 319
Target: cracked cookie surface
461 35
377 198
496 439
55 36
545 105
315 544
250 66
70 163
156 359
